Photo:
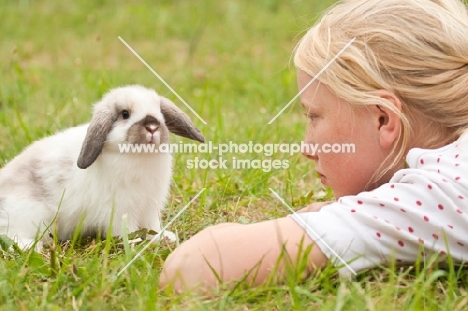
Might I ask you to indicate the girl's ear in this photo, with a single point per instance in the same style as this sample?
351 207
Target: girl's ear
389 122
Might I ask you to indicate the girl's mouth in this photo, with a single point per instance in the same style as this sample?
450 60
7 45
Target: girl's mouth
322 177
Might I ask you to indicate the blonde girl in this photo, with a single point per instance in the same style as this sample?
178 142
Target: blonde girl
399 93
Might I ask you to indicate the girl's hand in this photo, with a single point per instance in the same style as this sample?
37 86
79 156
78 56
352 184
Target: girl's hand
314 207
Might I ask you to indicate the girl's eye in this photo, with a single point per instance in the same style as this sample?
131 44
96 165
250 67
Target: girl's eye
310 116
125 114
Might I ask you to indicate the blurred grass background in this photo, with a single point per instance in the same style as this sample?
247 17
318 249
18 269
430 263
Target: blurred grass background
231 61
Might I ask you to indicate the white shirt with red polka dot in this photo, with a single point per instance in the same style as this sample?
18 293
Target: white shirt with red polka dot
422 211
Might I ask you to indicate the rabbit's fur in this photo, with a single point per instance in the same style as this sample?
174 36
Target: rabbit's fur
78 179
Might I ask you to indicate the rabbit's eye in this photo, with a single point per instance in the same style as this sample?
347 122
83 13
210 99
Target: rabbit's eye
125 114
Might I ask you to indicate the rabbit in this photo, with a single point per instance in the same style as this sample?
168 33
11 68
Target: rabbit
79 179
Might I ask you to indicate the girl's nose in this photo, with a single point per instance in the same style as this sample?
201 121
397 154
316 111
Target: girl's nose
308 151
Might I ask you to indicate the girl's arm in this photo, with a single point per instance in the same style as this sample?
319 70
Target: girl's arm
230 252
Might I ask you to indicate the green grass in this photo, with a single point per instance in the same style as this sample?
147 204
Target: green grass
230 60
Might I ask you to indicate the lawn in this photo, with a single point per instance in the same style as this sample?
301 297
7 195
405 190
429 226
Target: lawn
231 62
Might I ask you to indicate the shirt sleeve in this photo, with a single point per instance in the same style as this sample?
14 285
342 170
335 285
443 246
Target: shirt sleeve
420 212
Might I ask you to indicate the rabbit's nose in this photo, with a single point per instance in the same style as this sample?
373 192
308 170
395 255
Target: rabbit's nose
151 128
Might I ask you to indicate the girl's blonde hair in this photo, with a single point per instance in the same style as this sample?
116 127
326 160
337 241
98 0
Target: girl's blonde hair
416 49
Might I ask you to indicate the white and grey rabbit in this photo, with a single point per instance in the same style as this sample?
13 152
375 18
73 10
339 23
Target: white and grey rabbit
78 178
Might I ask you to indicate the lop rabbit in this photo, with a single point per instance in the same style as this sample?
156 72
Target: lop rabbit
80 179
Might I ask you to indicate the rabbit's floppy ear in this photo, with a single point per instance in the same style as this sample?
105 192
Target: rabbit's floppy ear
178 122
96 135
